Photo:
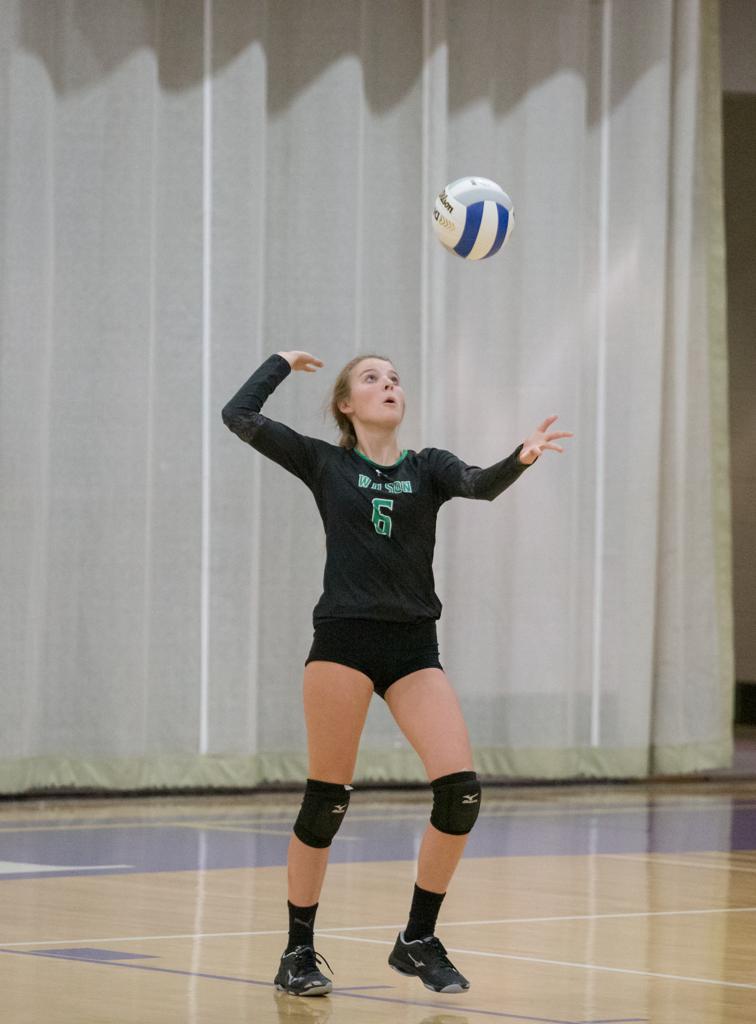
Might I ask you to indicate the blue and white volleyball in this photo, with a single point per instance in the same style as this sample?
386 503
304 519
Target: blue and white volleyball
473 217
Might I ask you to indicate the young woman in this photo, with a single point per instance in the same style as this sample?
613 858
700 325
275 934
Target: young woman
375 631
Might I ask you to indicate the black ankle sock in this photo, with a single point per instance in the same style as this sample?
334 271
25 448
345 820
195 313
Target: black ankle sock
301 926
423 914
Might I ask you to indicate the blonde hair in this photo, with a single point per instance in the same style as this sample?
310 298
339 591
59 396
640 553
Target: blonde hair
342 391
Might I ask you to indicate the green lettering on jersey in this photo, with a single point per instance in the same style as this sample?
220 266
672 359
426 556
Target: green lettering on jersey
392 486
381 521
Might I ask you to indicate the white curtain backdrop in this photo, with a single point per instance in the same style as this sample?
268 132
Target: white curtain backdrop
190 185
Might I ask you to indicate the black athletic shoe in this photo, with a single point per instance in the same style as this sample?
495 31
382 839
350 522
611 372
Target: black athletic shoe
427 959
298 973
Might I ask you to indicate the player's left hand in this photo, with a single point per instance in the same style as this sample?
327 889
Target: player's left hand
540 441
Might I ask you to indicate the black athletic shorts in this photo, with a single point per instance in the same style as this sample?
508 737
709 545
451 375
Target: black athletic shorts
384 651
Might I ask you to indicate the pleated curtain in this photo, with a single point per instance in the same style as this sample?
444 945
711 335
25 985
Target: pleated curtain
189 186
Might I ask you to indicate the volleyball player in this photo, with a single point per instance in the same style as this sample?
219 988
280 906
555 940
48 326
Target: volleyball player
375 631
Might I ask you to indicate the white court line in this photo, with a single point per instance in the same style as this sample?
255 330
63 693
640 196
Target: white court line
199 825
14 867
568 963
547 920
534 812
256 830
144 938
375 927
503 805
652 858
94 827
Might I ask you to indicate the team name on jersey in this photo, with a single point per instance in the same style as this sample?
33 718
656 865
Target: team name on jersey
391 486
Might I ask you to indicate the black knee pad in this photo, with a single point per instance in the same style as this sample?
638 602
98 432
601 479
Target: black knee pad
322 812
456 803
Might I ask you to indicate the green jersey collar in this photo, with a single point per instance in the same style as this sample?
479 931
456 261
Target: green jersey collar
401 459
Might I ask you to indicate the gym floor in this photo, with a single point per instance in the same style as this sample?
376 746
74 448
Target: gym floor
573 904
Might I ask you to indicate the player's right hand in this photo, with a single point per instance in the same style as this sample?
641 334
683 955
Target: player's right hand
302 361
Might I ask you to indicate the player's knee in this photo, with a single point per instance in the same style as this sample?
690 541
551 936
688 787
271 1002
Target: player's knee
322 812
456 803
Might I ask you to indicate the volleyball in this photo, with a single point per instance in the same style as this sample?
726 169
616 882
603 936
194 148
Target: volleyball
473 217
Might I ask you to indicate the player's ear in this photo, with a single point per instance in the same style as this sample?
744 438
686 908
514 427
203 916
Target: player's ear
345 407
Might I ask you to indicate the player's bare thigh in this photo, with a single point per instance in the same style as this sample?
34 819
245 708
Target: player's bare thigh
428 712
336 701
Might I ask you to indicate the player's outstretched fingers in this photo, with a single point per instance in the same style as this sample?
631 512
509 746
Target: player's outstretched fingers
547 423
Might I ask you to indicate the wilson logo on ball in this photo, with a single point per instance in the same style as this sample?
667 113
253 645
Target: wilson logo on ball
480 217
444 221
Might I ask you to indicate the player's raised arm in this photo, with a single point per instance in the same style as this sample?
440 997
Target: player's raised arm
293 451
240 413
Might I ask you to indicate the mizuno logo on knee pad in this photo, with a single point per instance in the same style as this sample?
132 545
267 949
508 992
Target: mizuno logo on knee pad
470 798
339 809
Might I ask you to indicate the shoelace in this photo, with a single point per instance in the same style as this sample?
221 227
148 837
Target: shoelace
309 959
436 946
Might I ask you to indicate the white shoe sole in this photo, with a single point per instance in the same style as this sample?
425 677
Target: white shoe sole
316 990
449 990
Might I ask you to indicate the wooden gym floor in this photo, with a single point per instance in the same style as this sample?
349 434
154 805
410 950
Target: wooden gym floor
575 904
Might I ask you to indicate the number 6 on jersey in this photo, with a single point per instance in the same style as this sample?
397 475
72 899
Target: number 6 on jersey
381 521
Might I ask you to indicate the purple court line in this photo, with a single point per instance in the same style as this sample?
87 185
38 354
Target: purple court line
362 988
344 992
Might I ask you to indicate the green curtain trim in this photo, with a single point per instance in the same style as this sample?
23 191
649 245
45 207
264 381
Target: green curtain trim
373 766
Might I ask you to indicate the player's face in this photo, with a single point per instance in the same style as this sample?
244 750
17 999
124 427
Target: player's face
377 394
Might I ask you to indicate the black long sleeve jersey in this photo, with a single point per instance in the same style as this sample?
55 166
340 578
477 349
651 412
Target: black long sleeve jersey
380 521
